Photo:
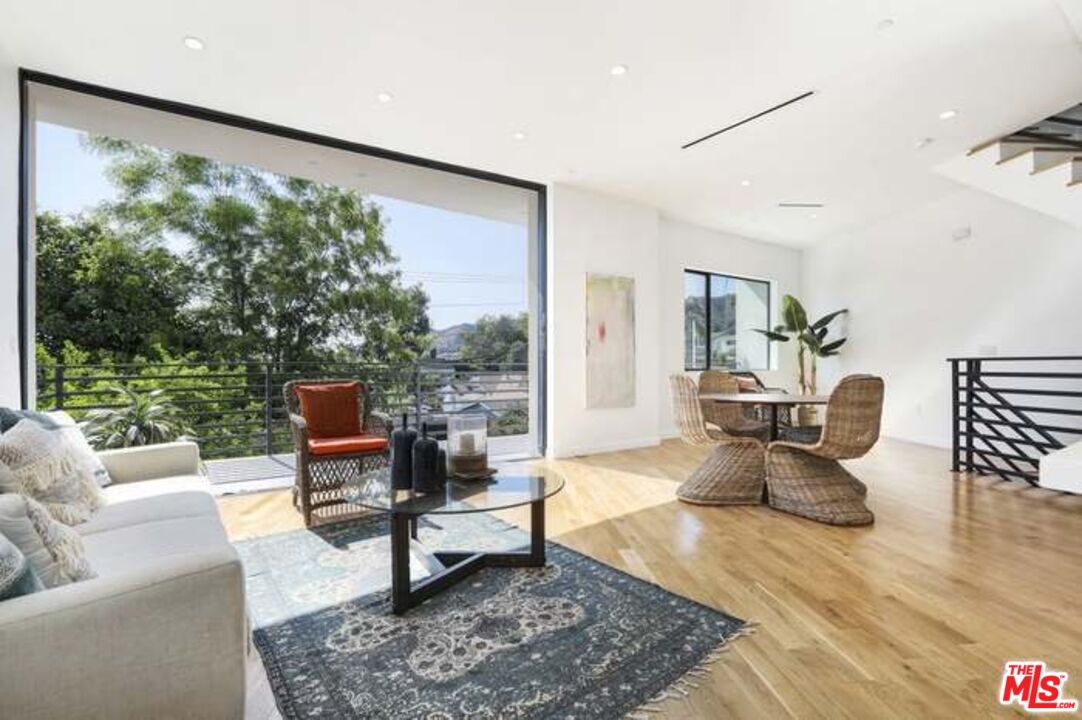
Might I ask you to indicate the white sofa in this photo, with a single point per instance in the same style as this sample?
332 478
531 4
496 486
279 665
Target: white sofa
161 632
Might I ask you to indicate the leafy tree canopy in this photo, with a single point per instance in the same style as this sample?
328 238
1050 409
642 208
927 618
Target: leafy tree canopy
281 268
106 291
497 339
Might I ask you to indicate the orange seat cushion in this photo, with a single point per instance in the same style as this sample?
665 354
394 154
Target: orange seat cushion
330 409
347 445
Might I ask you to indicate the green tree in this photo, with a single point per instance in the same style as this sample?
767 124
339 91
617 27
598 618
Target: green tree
286 269
107 292
497 339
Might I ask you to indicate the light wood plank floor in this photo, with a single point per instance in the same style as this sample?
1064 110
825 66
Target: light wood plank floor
912 617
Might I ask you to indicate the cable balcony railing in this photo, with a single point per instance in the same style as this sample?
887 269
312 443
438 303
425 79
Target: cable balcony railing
1009 412
236 408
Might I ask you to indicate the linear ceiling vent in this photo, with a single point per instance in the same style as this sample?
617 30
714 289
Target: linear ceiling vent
800 205
748 119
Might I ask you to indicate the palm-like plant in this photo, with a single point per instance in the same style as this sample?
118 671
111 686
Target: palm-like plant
145 419
811 339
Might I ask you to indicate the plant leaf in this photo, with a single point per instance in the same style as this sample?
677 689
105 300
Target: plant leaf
826 319
777 336
796 319
832 347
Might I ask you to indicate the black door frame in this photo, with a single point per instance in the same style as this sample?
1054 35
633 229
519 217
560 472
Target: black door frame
26 77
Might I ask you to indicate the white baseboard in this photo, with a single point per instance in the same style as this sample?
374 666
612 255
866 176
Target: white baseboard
597 448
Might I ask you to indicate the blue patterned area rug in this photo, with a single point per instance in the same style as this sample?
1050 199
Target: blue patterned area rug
576 639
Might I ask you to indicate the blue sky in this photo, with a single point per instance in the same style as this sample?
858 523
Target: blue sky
470 266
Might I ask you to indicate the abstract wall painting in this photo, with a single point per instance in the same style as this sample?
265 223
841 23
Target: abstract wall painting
610 341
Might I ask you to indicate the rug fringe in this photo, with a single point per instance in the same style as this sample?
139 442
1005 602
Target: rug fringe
683 686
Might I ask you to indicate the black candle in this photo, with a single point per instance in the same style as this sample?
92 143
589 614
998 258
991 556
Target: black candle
441 468
402 440
425 458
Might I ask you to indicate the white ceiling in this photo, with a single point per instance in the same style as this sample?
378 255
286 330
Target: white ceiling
467 74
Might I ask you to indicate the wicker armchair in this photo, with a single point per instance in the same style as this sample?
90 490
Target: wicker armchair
325 464
729 417
733 474
808 480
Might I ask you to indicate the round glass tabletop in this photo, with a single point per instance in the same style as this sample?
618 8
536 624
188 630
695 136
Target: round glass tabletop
512 486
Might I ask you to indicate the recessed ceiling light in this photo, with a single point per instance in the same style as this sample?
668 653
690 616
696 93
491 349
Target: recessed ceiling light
618 70
518 135
384 97
193 43
814 215
923 143
948 114
746 183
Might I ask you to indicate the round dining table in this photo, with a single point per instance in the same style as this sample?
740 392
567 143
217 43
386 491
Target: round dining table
770 400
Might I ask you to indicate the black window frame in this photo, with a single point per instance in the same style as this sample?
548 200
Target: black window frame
27 77
707 276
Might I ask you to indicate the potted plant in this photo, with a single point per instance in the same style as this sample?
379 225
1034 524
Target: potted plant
812 342
143 419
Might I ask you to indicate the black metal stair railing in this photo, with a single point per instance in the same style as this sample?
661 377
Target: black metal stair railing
1009 412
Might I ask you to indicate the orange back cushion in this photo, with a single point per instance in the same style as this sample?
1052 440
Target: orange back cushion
746 384
330 409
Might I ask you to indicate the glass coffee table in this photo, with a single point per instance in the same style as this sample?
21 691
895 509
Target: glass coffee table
510 487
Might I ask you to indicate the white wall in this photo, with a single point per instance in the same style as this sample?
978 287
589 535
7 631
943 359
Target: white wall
684 246
595 233
917 297
590 232
9 223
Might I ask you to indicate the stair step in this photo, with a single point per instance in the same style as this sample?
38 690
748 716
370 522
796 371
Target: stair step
1076 172
1013 150
1048 158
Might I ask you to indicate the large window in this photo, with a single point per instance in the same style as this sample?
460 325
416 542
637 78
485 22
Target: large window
721 316
213 259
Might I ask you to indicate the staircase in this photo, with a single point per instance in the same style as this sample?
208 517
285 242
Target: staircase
1039 166
1019 418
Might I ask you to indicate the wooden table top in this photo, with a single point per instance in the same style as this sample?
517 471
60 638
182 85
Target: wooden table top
766 398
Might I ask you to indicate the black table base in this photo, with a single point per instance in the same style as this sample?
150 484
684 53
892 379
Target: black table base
450 567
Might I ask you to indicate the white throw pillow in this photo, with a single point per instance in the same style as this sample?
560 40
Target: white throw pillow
55 467
54 551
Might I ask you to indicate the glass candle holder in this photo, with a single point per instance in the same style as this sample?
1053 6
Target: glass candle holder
467 445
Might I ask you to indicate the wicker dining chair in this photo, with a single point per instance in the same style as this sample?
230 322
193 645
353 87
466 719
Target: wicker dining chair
808 480
729 417
345 439
733 474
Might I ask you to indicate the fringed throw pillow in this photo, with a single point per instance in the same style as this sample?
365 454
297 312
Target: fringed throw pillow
56 467
55 552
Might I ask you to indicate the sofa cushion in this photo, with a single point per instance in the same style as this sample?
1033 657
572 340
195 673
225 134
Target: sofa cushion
9 418
136 547
55 551
330 409
55 467
16 576
151 500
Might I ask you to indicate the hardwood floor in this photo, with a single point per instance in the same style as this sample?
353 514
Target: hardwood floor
912 617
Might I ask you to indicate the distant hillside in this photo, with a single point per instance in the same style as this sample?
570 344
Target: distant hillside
448 342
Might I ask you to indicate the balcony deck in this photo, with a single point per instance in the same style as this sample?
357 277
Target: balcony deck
272 472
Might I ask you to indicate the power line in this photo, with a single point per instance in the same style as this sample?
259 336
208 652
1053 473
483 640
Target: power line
479 304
